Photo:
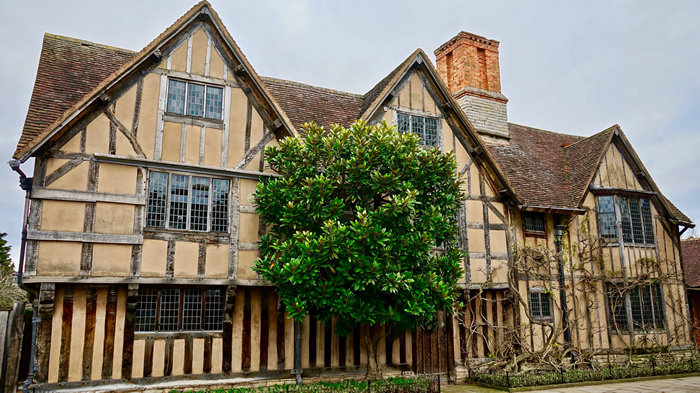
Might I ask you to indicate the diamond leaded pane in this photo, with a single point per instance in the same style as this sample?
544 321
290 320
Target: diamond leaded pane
169 310
219 206
637 231
176 97
195 100
214 310
625 214
157 191
645 206
179 189
192 309
606 216
431 132
145 315
404 121
214 102
199 208
418 127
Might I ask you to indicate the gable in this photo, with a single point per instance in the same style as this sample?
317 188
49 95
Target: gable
614 171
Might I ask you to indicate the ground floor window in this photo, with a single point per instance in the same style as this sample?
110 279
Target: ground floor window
641 305
179 309
540 304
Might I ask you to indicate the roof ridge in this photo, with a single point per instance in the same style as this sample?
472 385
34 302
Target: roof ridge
300 84
547 131
88 43
695 239
594 135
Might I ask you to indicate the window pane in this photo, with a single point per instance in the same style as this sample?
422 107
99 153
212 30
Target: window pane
214 310
535 305
636 221
417 127
195 100
647 312
626 225
534 222
658 306
617 308
200 204
647 221
192 309
179 187
176 97
403 120
544 303
636 302
157 188
219 206
145 315
214 102
431 132
606 216
169 310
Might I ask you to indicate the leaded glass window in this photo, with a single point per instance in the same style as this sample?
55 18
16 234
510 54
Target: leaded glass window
195 99
606 217
645 307
179 309
425 127
635 216
534 221
540 306
177 201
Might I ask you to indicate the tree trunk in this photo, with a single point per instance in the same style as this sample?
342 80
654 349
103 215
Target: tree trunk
373 334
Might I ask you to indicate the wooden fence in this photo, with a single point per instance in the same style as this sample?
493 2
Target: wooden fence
11 333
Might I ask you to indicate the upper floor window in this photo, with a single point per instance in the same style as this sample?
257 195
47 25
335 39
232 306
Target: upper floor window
179 309
645 309
534 222
195 99
425 127
635 215
194 203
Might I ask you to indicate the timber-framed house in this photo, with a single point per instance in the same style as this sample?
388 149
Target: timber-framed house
141 231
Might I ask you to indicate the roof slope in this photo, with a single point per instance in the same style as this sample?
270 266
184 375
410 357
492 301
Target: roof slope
534 163
68 70
582 159
304 103
690 248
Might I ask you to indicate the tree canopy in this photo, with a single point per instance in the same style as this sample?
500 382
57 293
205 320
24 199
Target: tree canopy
362 227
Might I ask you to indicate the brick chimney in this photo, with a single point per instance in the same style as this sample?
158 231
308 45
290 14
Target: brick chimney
468 64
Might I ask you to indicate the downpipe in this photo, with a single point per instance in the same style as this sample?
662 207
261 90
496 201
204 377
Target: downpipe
25 184
558 234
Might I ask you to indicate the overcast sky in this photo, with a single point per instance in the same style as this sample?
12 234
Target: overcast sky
571 67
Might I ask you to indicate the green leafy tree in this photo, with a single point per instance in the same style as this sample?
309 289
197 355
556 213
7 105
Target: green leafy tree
6 264
353 222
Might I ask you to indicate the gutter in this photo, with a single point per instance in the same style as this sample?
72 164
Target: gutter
26 184
551 209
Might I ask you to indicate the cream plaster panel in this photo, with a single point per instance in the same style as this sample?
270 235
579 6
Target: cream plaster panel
475 211
254 164
416 89
620 172
75 179
478 267
119 333
114 218
230 75
138 356
178 357
246 260
192 143
389 118
124 109
54 163
430 105
154 257
172 141
500 271
163 64
256 128
100 321
117 179
77 343
148 118
198 356
124 147
247 191
186 259
217 261
493 218
404 97
199 52
248 227
73 145
498 241
212 147
59 258
179 58
487 188
476 240
475 180
97 138
55 342
217 350
111 260
158 358
237 124
216 65
62 216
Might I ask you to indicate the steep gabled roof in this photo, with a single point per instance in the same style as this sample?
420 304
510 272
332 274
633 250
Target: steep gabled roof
152 51
68 70
582 159
690 248
534 164
304 103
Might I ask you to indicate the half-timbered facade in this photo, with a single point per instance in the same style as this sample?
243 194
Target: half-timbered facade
142 230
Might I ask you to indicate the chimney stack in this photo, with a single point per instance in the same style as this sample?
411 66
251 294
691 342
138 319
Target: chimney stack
468 64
